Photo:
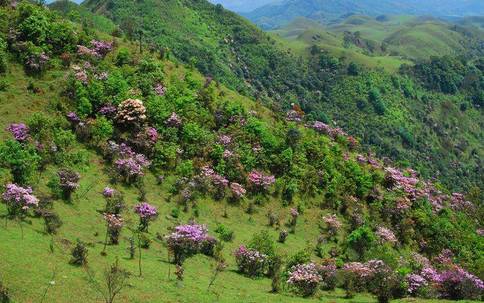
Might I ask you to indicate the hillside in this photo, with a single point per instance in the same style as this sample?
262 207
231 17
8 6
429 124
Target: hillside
91 127
386 37
274 15
226 47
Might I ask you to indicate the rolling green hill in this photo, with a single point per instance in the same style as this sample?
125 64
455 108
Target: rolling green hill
92 125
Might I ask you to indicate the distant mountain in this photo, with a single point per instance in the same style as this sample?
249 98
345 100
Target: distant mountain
243 5
277 14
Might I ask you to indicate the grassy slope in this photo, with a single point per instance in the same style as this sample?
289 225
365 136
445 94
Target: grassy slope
406 37
29 273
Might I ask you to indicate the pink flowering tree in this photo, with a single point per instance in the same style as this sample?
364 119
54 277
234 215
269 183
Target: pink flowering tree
18 199
68 182
187 240
238 191
259 181
385 235
146 213
332 225
294 216
305 279
114 224
114 201
131 166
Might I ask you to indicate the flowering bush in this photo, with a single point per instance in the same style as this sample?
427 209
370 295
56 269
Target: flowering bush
132 167
37 63
385 235
238 191
250 261
305 278
146 213
114 201
355 277
189 239
327 271
101 48
114 223
260 181
18 199
131 111
19 131
68 182
332 224
159 89
173 120
416 283
458 284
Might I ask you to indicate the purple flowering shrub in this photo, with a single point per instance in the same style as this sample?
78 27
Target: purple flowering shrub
260 181
19 131
187 240
146 213
114 224
68 182
305 279
250 261
18 199
129 164
114 201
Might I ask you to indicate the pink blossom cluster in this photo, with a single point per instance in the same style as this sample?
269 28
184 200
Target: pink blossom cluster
114 221
215 178
385 235
19 131
98 49
189 237
305 278
332 224
458 202
238 190
324 128
73 117
174 120
145 210
101 48
37 62
261 180
224 139
131 111
250 261
415 282
227 154
159 89
445 282
361 270
152 134
68 180
108 192
16 196
368 160
129 164
294 213
108 110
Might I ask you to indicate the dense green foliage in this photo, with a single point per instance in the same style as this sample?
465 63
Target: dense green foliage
406 123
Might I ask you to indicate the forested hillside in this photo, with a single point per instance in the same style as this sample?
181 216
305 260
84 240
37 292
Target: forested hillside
394 116
127 175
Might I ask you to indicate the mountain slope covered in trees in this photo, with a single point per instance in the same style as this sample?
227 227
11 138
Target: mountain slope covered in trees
396 117
108 194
